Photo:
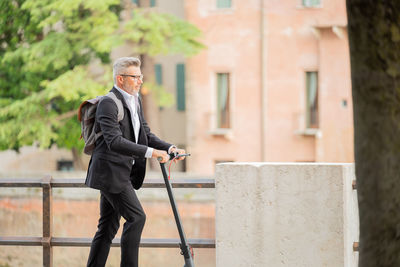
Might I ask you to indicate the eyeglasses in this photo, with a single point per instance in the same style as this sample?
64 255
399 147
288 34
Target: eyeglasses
134 76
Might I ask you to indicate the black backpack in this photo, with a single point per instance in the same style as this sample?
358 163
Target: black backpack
87 117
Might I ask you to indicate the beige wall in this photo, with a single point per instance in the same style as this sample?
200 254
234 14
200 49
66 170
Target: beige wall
336 143
300 40
232 37
31 160
171 122
296 40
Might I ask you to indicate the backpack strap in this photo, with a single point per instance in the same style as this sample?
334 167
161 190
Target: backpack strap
120 110
119 105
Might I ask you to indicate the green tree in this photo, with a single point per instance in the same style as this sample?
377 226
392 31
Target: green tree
374 36
49 50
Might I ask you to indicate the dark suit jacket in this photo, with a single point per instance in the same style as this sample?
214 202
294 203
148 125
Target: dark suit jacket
110 167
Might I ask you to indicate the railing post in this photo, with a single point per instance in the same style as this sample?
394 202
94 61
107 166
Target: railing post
47 222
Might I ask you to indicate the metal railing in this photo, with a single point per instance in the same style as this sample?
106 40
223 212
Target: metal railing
47 241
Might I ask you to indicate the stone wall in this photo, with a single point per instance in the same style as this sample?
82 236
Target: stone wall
286 214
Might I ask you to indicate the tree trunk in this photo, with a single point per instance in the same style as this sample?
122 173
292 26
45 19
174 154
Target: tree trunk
374 36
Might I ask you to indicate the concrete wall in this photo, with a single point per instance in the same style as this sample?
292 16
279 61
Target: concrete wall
285 214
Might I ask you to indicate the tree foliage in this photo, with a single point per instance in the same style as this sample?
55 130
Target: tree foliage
55 54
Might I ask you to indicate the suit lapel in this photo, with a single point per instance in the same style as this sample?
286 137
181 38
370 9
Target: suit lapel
140 113
122 98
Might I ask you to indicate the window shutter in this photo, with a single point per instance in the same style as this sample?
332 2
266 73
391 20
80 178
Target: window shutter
224 3
180 87
311 3
158 72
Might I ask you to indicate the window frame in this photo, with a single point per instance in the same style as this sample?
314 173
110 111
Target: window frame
218 119
218 7
303 5
308 112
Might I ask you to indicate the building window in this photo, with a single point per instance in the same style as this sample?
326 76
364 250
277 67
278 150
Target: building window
311 3
224 3
223 99
158 73
180 87
152 3
65 165
312 99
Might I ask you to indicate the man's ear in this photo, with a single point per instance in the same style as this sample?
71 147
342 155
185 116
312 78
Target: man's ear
120 79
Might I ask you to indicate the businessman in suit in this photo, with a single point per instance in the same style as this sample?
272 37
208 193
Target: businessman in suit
118 165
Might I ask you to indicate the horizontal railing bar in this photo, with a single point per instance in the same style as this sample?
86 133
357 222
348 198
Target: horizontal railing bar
17 182
71 183
20 241
86 242
68 183
181 183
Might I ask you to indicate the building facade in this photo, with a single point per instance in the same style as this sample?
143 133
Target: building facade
273 83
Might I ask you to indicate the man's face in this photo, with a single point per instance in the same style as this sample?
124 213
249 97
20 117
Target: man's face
131 84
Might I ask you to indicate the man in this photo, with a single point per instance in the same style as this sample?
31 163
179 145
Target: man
118 165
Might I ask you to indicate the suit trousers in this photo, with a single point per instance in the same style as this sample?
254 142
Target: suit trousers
112 207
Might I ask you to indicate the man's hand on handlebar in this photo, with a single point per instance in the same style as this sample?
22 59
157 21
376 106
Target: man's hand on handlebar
175 150
161 155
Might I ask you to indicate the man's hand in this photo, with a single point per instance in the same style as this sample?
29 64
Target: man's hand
178 151
160 154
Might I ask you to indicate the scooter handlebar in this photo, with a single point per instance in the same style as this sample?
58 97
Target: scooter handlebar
175 156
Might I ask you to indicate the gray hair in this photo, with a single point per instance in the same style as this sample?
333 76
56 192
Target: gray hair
121 64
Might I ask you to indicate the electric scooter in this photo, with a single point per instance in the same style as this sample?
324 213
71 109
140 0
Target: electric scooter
186 249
